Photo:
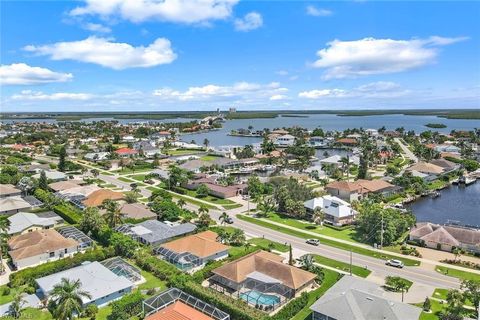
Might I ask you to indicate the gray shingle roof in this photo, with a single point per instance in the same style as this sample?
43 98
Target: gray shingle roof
153 231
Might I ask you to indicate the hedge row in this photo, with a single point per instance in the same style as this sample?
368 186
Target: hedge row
293 307
65 210
128 306
28 275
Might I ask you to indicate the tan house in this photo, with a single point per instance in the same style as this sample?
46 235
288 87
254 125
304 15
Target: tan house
137 211
9 190
38 247
96 198
360 189
193 251
261 276
446 237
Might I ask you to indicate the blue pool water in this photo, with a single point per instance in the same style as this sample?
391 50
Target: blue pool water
256 297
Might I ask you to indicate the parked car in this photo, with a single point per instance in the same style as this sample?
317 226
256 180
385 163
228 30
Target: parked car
313 242
229 220
395 263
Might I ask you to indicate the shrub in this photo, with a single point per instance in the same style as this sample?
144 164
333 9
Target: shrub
293 307
128 306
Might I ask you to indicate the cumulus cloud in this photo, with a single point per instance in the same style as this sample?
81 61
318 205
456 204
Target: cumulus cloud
211 91
369 56
96 27
105 52
380 89
38 95
181 11
318 12
23 74
277 97
250 21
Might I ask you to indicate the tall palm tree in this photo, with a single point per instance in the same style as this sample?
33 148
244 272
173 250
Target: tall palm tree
224 217
181 203
67 298
4 226
318 215
16 306
203 209
266 206
113 217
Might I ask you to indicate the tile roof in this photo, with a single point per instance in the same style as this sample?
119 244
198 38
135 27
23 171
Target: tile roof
7 189
178 311
37 242
96 198
450 235
13 203
137 211
64 185
268 264
374 185
426 167
202 245
344 185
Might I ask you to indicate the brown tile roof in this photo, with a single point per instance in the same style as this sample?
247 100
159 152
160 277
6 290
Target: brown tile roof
203 244
441 236
6 189
64 185
267 263
178 311
96 198
347 141
344 185
444 234
421 230
374 185
137 211
448 165
426 167
37 242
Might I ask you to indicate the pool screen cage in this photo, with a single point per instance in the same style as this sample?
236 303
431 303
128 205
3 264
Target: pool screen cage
122 268
172 295
73 233
183 260
254 292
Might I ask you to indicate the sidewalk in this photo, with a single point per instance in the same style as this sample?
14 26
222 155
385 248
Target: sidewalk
423 260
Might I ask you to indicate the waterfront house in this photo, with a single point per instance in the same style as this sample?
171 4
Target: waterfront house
360 189
337 211
446 237
9 190
448 166
426 168
285 140
348 142
38 247
101 283
336 161
24 222
174 304
154 232
261 279
352 298
194 251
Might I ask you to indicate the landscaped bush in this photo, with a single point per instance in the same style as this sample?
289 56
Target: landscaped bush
161 269
410 251
68 212
292 308
28 275
129 305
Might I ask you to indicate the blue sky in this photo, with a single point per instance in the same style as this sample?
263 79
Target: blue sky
153 55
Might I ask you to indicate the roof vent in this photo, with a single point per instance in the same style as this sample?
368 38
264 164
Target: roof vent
369 298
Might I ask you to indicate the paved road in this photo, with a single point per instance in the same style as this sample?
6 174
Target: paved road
405 150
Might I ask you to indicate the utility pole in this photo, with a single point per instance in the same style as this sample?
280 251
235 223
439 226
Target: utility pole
381 234
350 262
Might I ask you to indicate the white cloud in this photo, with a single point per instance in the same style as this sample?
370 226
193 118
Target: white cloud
250 21
369 56
23 74
182 11
38 95
318 12
282 72
380 89
211 91
277 97
96 27
105 52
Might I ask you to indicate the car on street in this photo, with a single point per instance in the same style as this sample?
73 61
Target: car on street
229 220
395 263
313 242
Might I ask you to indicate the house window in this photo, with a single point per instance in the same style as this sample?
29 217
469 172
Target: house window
66 250
52 254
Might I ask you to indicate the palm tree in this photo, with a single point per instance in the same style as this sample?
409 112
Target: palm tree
345 165
203 220
4 227
16 306
181 203
237 237
224 217
203 209
318 215
307 262
67 299
266 206
113 217
206 142
91 221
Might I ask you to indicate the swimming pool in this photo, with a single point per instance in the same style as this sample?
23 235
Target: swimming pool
256 297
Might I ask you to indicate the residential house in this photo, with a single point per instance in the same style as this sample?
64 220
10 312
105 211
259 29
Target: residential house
24 222
174 304
38 247
336 161
261 274
14 204
52 175
96 198
352 298
360 189
126 152
425 170
137 211
96 156
448 166
101 283
285 140
214 188
337 211
347 141
194 251
154 232
446 237
9 190
64 185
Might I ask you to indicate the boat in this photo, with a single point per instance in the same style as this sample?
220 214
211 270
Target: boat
435 194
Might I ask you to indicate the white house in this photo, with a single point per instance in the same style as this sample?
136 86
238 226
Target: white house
337 211
23 222
96 156
285 140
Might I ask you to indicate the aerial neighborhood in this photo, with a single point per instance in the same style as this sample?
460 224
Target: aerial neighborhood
142 220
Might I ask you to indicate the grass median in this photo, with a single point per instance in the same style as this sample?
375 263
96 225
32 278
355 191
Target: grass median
343 266
328 242
462 275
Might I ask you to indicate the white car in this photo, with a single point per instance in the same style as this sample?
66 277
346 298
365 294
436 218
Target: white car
313 242
395 263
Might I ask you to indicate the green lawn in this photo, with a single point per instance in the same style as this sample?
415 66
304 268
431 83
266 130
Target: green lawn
212 199
125 179
138 177
209 158
436 184
436 309
151 282
181 152
187 199
31 313
330 278
346 234
266 244
332 243
356 270
462 275
231 206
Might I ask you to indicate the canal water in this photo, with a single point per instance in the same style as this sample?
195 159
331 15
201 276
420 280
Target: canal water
458 204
